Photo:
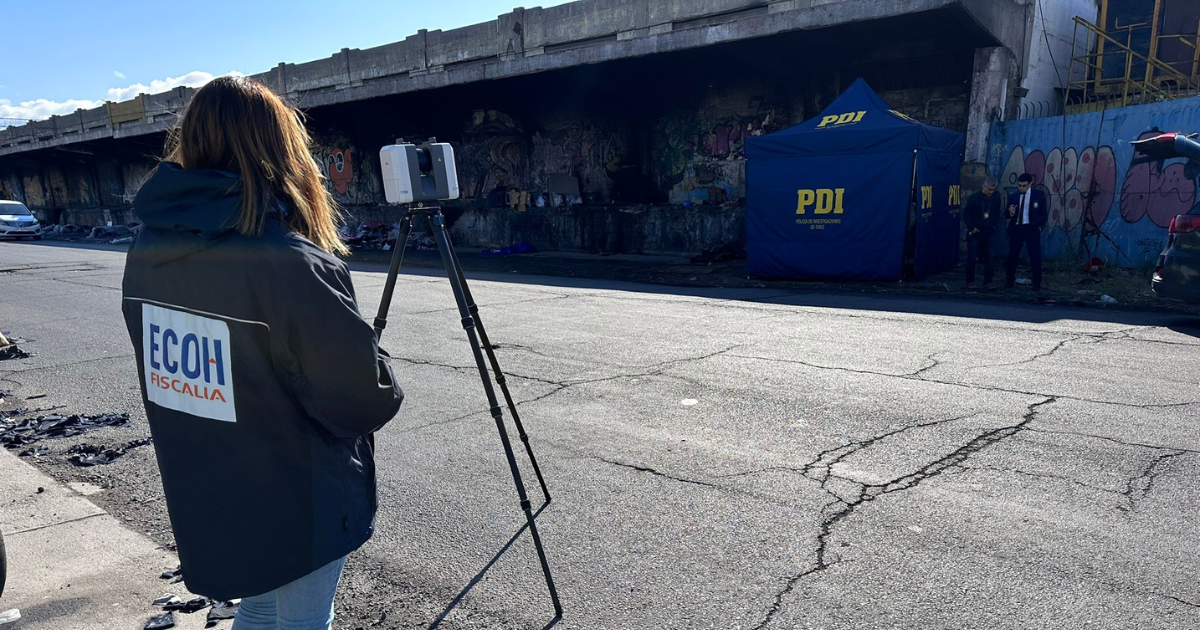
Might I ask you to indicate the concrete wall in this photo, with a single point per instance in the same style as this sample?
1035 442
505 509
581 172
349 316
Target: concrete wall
1100 203
1049 55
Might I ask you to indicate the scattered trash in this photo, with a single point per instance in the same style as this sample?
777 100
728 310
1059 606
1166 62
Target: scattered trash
1107 299
719 254
190 606
3 340
688 402
166 575
40 451
1024 281
161 622
523 247
221 611
123 240
31 430
9 616
13 351
167 598
41 489
84 455
1094 265
35 397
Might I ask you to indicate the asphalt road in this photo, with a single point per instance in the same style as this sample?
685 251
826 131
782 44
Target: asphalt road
742 458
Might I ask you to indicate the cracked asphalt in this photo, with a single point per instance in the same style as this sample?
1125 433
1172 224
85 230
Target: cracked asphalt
722 458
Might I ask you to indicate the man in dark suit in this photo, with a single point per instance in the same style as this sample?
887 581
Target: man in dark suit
981 214
1027 214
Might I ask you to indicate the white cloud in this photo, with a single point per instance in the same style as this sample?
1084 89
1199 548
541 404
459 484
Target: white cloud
118 74
40 109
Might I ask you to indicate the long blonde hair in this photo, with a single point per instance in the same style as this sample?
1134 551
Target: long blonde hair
237 124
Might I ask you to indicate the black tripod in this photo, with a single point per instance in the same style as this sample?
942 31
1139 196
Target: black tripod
479 345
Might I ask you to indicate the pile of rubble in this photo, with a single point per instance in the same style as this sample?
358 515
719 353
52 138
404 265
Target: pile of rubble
115 234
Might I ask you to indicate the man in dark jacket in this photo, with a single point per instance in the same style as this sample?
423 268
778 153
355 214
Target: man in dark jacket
982 216
1027 215
261 382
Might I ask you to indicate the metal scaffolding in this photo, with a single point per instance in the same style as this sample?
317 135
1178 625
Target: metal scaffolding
1115 64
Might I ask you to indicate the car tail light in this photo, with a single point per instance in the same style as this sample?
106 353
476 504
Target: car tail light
1184 224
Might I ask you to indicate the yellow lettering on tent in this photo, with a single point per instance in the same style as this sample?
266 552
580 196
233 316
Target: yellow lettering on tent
926 197
955 195
824 201
847 117
806 199
827 120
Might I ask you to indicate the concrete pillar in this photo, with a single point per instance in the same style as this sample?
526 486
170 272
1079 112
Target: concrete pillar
991 89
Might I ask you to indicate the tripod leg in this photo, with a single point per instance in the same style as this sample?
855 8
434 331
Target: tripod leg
390 285
500 380
438 226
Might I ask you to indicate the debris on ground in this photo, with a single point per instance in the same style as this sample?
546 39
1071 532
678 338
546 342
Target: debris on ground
39 451
524 247
1107 299
84 455
9 616
221 611
161 622
166 575
13 351
167 598
190 606
30 430
3 340
719 254
35 397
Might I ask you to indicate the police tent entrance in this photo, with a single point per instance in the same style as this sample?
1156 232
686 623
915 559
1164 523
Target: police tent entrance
860 192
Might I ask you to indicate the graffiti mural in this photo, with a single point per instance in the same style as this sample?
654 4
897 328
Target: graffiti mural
1105 198
339 168
349 178
699 154
1159 190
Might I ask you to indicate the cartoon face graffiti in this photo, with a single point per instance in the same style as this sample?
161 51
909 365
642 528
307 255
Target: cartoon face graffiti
340 169
1158 189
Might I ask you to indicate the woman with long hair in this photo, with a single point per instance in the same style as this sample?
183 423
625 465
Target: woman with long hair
262 382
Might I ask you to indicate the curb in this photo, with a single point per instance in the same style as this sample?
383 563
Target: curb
73 566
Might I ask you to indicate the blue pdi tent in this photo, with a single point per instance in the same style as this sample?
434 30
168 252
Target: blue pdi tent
860 192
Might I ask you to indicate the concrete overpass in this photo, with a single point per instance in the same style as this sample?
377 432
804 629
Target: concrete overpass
637 101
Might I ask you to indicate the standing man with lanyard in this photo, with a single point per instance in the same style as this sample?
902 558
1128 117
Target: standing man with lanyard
982 216
1027 214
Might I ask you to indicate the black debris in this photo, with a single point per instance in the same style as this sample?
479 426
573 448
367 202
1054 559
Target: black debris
30 430
220 611
35 397
37 451
161 622
94 455
13 351
190 606
178 572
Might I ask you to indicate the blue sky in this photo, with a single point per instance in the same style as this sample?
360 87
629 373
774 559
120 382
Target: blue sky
75 53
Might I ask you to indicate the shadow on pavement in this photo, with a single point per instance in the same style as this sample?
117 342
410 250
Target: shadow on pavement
479 576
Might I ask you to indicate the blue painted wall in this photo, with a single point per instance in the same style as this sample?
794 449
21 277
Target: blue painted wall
1101 204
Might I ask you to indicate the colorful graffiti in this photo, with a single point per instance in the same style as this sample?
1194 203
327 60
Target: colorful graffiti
1159 190
339 168
1106 199
1078 184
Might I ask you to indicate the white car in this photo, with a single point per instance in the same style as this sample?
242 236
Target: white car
17 221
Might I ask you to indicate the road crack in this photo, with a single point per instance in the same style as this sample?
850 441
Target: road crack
1139 487
839 510
657 473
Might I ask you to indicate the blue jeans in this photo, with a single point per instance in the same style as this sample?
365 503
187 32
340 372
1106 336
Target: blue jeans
306 604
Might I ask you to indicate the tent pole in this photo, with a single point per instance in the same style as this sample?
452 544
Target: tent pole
910 234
